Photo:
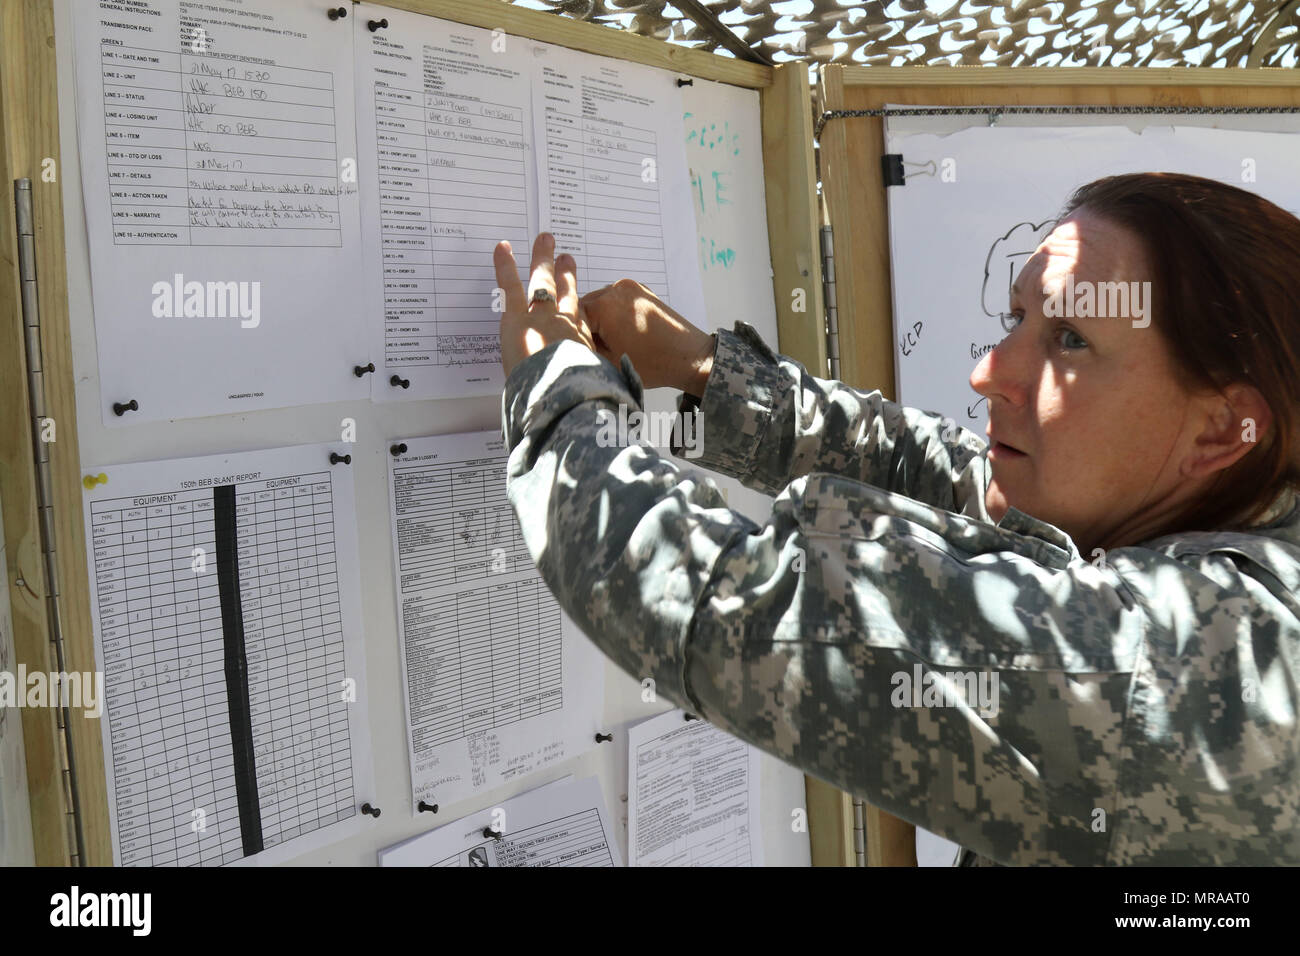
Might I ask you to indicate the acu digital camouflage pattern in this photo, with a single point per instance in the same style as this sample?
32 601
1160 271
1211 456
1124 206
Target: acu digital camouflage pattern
1159 690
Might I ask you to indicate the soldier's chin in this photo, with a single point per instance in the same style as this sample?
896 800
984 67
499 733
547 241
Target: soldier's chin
996 501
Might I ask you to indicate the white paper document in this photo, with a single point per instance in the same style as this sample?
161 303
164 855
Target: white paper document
693 795
226 602
217 145
499 683
470 136
613 181
445 123
560 824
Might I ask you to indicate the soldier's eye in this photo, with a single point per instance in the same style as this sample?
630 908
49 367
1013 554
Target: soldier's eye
1011 319
1070 339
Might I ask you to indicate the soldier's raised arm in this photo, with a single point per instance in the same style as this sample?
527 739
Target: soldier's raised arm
765 420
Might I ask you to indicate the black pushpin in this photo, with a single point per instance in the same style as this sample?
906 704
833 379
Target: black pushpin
398 380
120 409
338 13
335 458
369 810
426 807
398 450
604 738
681 82
377 24
494 834
359 370
691 717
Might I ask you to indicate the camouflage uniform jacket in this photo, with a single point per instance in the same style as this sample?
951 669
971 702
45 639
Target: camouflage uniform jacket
1146 710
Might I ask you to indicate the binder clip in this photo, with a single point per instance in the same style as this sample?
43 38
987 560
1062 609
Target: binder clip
398 380
369 810
337 13
359 370
494 834
398 450
426 807
604 738
121 408
335 458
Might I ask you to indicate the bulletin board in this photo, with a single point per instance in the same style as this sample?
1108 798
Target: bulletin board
760 186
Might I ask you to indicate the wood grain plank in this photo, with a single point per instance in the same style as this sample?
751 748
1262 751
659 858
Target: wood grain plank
29 79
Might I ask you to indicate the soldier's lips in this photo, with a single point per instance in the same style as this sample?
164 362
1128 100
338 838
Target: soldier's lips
1005 452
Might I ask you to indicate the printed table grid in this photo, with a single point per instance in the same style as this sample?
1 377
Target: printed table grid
479 657
165 666
596 169
440 220
455 524
716 764
205 150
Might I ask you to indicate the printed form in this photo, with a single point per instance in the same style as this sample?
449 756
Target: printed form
613 180
693 794
499 683
217 151
450 175
480 136
559 824
226 602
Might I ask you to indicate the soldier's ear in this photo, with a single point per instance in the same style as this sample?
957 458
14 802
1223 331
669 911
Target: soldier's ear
1234 423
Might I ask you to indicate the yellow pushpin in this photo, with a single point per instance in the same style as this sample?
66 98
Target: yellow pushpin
90 481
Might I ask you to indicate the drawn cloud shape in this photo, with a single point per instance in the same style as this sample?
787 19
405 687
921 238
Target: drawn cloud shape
1006 256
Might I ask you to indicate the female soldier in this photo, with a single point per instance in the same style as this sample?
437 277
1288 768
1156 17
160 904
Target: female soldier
1122 556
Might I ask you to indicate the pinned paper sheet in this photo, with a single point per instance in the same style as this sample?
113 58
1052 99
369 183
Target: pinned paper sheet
693 795
226 603
472 136
218 163
560 824
498 682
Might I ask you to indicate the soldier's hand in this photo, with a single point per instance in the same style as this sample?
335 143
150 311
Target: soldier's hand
666 349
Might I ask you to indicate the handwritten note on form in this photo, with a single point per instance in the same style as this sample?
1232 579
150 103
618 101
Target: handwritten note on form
560 824
473 136
692 795
449 176
226 604
498 682
612 174
217 153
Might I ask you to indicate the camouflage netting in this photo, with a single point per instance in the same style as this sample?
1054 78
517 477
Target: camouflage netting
916 32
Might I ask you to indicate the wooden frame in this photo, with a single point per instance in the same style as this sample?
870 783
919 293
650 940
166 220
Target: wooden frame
30 116
29 136
854 203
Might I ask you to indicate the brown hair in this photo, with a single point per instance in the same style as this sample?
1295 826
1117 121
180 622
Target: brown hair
1226 298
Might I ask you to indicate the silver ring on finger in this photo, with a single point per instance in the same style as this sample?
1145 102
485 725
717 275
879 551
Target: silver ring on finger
543 295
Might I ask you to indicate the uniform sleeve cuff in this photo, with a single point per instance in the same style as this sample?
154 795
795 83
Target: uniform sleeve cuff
545 386
731 419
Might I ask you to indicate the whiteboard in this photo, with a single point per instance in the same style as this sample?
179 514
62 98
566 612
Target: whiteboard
1004 186
731 222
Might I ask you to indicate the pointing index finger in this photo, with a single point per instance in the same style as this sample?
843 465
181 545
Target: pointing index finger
503 259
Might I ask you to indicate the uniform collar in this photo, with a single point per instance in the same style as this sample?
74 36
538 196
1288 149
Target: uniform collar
1280 512
1018 522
